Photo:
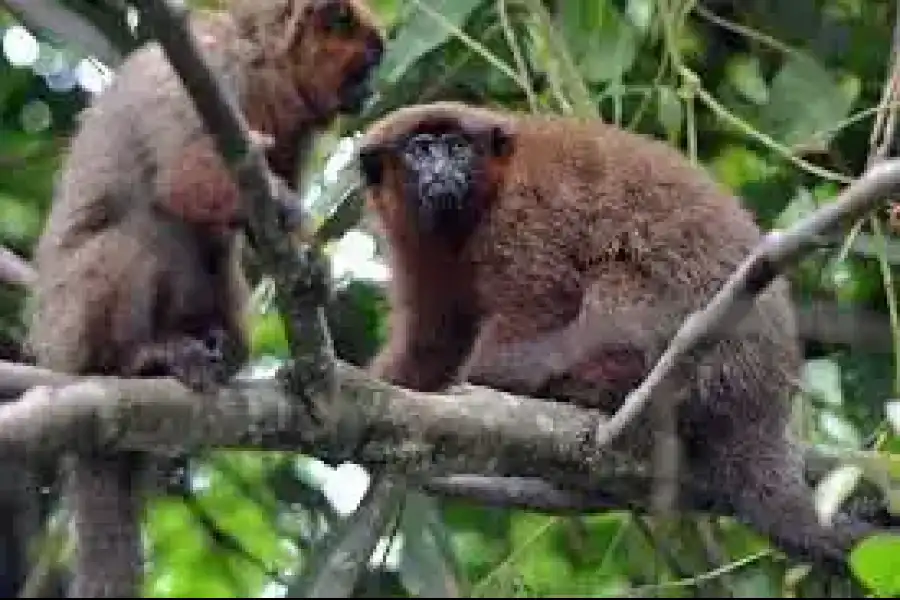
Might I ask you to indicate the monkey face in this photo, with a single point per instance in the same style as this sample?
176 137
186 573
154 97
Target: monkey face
443 175
440 170
333 46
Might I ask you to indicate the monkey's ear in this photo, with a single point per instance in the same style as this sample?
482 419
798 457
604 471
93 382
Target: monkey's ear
371 165
500 141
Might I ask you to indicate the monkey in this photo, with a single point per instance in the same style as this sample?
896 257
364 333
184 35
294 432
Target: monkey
554 256
138 270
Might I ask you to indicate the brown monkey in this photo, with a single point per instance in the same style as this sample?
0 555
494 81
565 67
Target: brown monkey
555 256
137 265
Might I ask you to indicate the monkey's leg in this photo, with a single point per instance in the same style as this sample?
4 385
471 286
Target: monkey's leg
78 291
107 558
111 512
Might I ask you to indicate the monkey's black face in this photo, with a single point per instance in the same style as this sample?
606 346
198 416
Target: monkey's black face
444 174
440 173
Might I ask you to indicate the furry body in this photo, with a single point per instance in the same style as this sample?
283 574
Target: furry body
583 249
138 264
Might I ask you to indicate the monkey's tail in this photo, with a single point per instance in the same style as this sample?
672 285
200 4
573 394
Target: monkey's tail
105 510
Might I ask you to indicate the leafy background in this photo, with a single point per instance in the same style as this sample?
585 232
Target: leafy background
776 99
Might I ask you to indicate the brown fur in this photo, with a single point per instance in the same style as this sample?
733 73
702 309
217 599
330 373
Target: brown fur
591 246
138 269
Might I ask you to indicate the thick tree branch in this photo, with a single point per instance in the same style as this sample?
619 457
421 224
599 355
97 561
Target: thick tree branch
475 430
16 378
433 437
768 260
15 269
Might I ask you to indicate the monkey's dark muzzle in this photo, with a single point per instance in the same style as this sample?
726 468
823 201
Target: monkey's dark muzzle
443 203
439 182
357 88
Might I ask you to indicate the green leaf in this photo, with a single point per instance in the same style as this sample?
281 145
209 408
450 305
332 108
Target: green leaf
736 166
852 280
422 33
822 377
670 111
479 535
805 100
744 73
833 489
18 221
876 561
892 412
640 13
537 558
604 44
839 430
268 336
385 9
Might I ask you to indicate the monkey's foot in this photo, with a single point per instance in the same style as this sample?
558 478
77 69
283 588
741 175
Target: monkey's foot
198 364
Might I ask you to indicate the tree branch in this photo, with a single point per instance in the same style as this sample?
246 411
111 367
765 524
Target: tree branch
433 437
474 430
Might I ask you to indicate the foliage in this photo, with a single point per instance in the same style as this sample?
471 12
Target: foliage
776 99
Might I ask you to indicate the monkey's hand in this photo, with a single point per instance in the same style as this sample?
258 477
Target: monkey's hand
199 364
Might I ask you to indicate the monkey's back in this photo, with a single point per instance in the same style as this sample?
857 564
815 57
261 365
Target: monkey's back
595 220
104 229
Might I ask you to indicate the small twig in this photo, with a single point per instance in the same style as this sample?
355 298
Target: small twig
521 66
348 551
885 124
775 251
655 588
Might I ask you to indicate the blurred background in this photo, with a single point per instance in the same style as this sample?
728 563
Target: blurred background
783 102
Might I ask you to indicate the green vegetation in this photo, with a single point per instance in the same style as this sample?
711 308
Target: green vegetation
779 100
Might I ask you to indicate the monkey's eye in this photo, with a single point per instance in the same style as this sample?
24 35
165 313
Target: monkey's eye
420 146
337 18
455 143
457 146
